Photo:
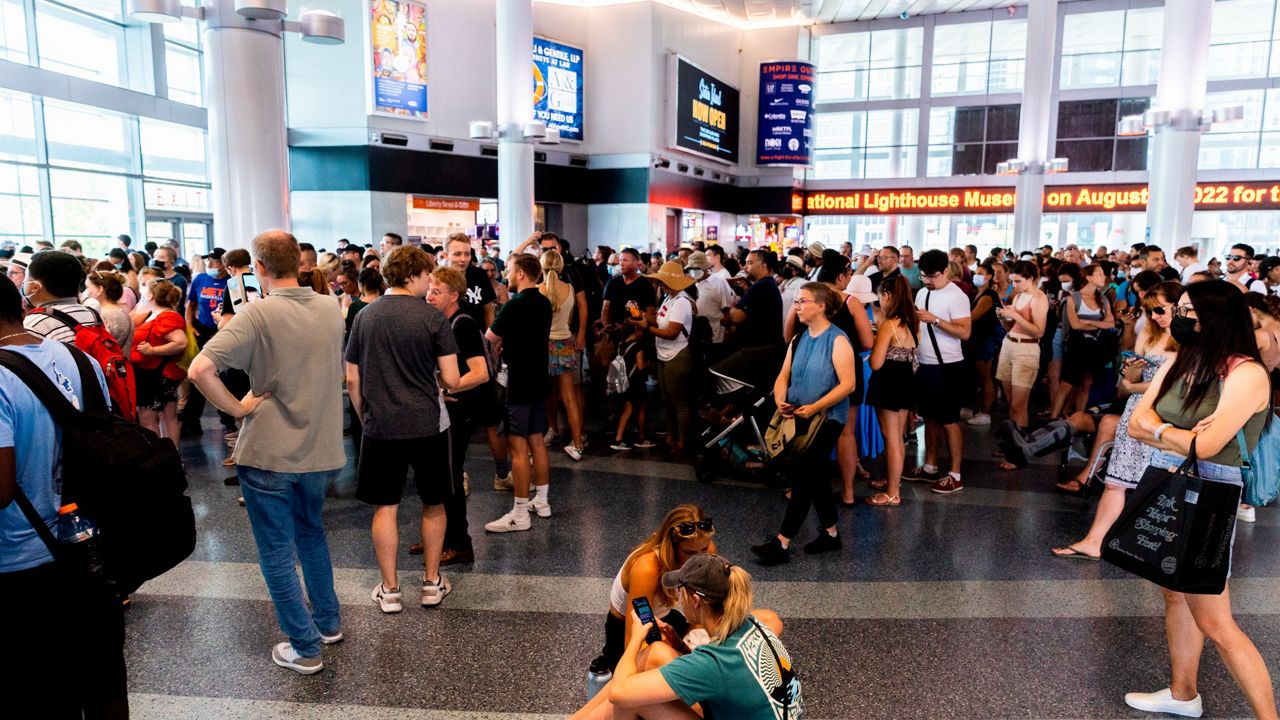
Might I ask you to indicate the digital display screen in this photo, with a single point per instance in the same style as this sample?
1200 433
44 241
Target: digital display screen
785 130
557 87
705 111
399 30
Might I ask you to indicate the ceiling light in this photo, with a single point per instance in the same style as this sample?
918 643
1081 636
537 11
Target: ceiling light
262 9
322 27
1130 126
1228 114
155 11
1157 117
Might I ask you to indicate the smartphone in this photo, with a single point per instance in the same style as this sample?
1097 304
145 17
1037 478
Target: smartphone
1128 355
646 618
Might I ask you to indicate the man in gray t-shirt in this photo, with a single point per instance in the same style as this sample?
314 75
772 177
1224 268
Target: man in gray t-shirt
290 447
397 347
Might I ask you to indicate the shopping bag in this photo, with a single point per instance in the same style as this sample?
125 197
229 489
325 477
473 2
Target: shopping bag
1175 530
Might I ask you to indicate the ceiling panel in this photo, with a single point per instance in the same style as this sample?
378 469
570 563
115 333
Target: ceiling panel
747 13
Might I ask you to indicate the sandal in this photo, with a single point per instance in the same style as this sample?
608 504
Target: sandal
1067 487
884 500
881 484
862 473
1071 553
1008 467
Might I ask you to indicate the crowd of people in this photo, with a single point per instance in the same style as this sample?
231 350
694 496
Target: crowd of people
539 349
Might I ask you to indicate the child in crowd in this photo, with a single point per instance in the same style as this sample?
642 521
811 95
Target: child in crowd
634 399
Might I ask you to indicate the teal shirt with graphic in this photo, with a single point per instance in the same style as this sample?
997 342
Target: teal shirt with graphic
733 680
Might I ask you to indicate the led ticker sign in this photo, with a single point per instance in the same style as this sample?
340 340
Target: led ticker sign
704 112
1057 198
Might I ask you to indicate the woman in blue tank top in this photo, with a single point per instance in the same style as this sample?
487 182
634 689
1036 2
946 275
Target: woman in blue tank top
822 379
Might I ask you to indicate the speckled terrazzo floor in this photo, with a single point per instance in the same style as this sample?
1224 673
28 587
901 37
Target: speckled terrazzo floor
946 607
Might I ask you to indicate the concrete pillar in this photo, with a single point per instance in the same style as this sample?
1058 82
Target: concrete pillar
515 108
1033 124
1176 146
248 142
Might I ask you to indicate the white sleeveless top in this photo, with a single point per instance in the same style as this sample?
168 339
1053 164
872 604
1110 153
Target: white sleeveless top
618 598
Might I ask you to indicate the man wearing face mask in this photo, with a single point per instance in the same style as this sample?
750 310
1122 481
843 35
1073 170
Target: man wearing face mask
714 296
166 259
208 290
51 287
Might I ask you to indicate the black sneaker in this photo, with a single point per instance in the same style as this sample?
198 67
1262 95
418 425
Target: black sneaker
771 552
919 474
825 542
231 481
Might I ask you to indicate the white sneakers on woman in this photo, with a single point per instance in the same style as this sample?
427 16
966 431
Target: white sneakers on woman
1162 701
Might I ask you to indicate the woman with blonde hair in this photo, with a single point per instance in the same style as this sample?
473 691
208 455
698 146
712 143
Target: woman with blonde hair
744 672
562 350
103 290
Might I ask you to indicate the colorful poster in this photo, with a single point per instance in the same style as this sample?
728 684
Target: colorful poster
786 114
557 87
704 112
400 58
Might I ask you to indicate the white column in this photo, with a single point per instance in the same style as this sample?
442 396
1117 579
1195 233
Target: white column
1033 124
515 108
1176 147
248 141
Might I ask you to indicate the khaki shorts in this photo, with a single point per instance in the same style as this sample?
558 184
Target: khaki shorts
1019 363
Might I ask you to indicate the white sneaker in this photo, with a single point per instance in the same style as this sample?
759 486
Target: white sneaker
965 413
389 602
285 656
503 484
1246 513
434 592
509 523
573 452
333 639
1162 701
981 419
543 508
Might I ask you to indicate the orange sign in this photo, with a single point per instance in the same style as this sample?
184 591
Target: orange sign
1057 198
445 203
909 202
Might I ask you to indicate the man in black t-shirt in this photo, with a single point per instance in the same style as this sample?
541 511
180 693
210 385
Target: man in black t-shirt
521 332
625 288
757 320
478 301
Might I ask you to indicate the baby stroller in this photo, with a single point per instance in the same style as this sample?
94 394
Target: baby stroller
739 406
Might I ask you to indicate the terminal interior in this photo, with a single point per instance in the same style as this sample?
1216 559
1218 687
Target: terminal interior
651 124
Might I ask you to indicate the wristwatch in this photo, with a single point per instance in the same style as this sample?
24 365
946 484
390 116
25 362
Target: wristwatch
936 322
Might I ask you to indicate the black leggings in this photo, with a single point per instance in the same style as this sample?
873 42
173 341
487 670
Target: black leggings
809 473
456 535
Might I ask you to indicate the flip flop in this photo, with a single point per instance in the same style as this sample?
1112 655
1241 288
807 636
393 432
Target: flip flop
1009 467
880 484
1072 554
884 500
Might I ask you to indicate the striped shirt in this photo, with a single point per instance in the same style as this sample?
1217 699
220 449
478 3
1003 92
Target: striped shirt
50 327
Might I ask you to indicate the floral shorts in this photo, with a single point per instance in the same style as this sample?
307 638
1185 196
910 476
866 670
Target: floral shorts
562 357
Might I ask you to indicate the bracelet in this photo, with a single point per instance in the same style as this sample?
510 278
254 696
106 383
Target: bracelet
1159 433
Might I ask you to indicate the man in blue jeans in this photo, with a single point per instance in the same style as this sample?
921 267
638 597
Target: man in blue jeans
290 446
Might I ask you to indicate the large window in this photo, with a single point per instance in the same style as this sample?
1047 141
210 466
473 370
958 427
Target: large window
1113 48
1235 144
971 140
1240 39
20 217
85 137
89 207
13 31
877 65
978 58
85 39
1087 135
183 61
867 144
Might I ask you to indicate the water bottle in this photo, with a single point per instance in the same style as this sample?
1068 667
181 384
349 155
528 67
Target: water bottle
596 681
79 537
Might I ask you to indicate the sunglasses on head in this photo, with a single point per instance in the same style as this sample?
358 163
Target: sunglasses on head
689 529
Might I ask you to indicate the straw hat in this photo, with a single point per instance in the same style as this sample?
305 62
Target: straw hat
697 261
795 262
860 288
672 275
815 250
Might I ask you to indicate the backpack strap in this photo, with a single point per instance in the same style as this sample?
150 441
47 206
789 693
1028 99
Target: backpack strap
89 387
41 386
933 339
66 318
37 522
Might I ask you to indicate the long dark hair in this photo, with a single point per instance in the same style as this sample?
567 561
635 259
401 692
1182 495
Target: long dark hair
903 309
1226 331
833 266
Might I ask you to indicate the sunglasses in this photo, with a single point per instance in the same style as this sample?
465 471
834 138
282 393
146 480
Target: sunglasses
1236 258
1159 310
689 529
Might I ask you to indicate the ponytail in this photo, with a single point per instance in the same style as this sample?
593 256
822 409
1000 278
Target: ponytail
736 606
552 264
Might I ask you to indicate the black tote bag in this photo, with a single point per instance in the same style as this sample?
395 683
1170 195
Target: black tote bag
1175 530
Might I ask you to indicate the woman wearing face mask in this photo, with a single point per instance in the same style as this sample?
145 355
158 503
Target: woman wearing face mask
1019 366
102 291
1129 458
1088 316
1069 280
1214 389
980 348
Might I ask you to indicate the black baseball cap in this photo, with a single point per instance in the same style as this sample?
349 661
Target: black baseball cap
215 254
704 574
117 254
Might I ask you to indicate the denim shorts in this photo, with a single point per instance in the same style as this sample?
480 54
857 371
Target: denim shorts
1059 345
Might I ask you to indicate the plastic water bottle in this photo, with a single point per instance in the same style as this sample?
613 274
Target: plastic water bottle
596 681
79 537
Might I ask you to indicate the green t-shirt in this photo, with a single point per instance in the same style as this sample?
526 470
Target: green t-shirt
732 680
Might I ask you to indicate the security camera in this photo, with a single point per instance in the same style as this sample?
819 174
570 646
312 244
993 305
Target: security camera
904 15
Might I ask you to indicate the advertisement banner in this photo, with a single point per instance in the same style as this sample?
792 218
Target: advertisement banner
557 87
399 58
786 117
704 112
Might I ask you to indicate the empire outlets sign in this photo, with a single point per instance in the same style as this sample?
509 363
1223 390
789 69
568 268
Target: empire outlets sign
1058 198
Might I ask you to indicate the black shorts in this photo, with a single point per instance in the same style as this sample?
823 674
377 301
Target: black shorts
154 390
526 420
940 392
384 468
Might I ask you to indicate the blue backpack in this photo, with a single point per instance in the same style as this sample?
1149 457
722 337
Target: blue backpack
1261 468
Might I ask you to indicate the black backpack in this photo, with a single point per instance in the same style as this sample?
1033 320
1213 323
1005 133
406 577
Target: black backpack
121 475
699 338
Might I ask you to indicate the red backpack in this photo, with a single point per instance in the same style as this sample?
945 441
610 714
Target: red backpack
97 343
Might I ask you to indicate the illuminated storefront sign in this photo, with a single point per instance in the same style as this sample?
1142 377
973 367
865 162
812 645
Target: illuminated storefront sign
1057 198
445 203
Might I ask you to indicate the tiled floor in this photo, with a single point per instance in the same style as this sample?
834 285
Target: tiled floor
943 607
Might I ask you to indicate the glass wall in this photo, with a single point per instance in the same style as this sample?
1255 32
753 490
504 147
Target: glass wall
71 171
